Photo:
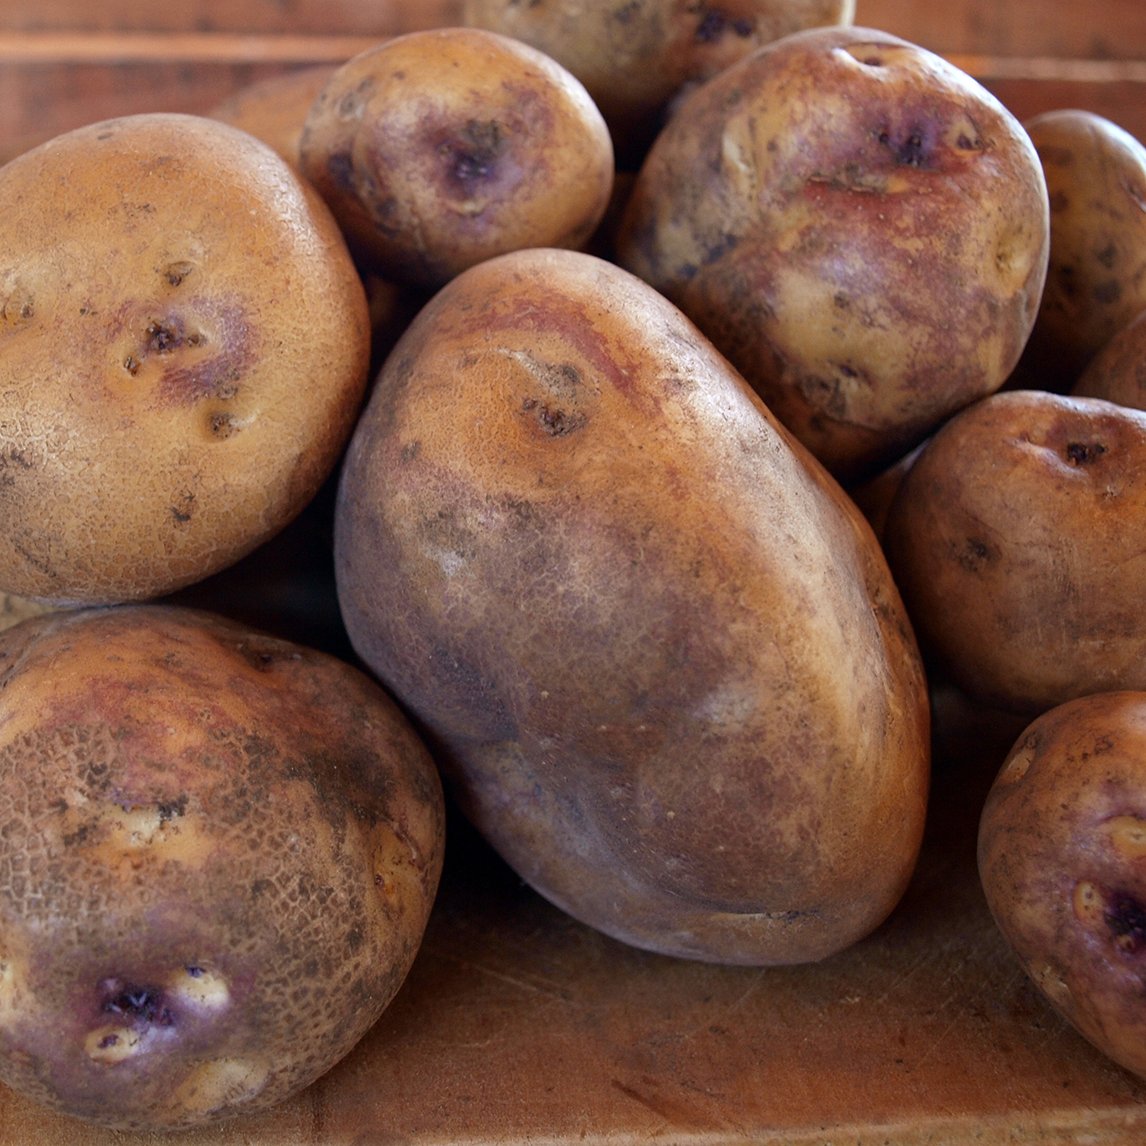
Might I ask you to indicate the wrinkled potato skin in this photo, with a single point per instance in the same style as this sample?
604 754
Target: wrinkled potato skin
1118 371
441 148
1015 539
860 227
574 544
178 791
184 341
1063 866
275 109
635 58
1096 283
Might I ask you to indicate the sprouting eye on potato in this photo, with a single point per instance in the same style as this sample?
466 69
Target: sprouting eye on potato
858 225
220 854
1062 860
440 148
184 347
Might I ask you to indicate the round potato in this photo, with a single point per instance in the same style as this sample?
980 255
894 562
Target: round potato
1096 284
1062 859
858 225
655 647
1117 372
184 346
220 854
1015 538
635 58
441 148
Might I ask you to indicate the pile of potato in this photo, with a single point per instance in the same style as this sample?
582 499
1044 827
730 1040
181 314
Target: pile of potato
618 434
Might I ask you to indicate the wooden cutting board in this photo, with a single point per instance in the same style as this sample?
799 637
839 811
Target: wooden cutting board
518 1025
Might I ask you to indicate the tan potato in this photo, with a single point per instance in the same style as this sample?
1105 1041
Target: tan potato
274 109
440 148
1062 844
1015 538
858 225
184 343
221 850
636 58
1096 179
655 646
1117 372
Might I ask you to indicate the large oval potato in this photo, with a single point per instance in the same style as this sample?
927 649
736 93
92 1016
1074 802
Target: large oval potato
1096 282
220 854
184 346
1016 540
858 225
634 59
655 647
440 148
1062 860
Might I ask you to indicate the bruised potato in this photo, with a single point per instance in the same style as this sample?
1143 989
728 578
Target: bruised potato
635 58
443 147
858 225
1096 283
220 849
654 646
1062 860
1015 538
184 346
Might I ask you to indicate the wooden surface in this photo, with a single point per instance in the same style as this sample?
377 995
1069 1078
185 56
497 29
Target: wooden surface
517 1024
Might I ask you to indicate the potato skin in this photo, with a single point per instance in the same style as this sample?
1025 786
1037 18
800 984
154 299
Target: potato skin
860 227
1063 866
635 58
1015 538
654 647
184 345
220 850
443 147
1117 372
1096 282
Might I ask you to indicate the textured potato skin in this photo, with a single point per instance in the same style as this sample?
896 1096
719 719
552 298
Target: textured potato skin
635 58
1015 538
219 850
1062 859
654 647
443 147
858 226
1096 281
184 347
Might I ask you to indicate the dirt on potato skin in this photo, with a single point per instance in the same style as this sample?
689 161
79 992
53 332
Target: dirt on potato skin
220 850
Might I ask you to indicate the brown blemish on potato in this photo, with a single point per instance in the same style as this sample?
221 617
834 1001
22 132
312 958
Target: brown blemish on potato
715 23
1083 453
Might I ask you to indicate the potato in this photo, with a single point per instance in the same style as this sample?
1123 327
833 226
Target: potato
184 341
1015 538
1096 179
220 853
274 109
860 227
653 645
635 58
1061 846
1117 372
440 148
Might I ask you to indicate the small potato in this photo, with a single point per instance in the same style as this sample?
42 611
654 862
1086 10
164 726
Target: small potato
184 347
1096 283
1118 371
441 148
1062 860
275 109
635 58
220 852
858 225
1016 539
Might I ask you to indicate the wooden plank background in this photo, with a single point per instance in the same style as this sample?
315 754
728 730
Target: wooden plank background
63 63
